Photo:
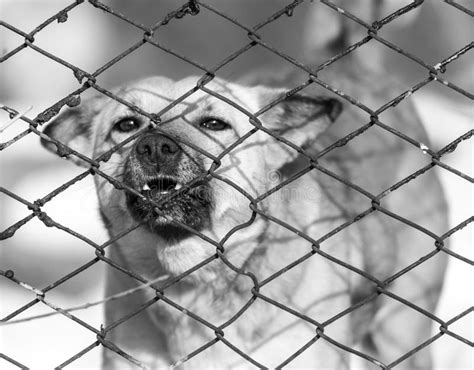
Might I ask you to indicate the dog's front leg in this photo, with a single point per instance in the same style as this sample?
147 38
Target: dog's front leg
137 336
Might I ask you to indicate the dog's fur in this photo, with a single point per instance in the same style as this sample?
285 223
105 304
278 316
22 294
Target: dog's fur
314 204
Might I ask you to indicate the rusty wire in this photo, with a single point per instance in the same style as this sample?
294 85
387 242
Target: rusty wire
434 74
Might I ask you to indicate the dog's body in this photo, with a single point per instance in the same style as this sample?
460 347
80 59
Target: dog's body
280 229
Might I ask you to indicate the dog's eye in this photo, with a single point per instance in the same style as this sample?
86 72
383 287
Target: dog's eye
127 124
214 124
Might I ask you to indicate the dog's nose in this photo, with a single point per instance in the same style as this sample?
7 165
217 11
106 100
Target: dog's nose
157 150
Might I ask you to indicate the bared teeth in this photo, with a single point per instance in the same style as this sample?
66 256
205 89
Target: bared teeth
161 187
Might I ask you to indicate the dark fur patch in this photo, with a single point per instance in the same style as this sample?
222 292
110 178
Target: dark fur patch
190 207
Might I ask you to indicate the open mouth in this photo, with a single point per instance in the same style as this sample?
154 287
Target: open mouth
170 203
160 186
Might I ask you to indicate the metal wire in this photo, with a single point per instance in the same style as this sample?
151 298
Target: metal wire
88 80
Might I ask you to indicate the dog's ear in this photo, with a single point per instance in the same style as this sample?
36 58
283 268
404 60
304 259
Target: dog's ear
299 119
73 127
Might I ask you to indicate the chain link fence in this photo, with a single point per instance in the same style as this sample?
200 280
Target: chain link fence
89 81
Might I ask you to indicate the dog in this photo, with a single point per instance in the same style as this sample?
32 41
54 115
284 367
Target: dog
314 262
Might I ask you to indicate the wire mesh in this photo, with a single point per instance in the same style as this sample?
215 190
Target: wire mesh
88 81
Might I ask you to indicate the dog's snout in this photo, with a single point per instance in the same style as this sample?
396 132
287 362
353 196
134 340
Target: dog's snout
157 150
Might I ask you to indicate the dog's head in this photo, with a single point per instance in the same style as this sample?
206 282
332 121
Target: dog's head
199 168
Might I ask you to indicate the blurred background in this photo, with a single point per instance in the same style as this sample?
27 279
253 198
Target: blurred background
32 82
